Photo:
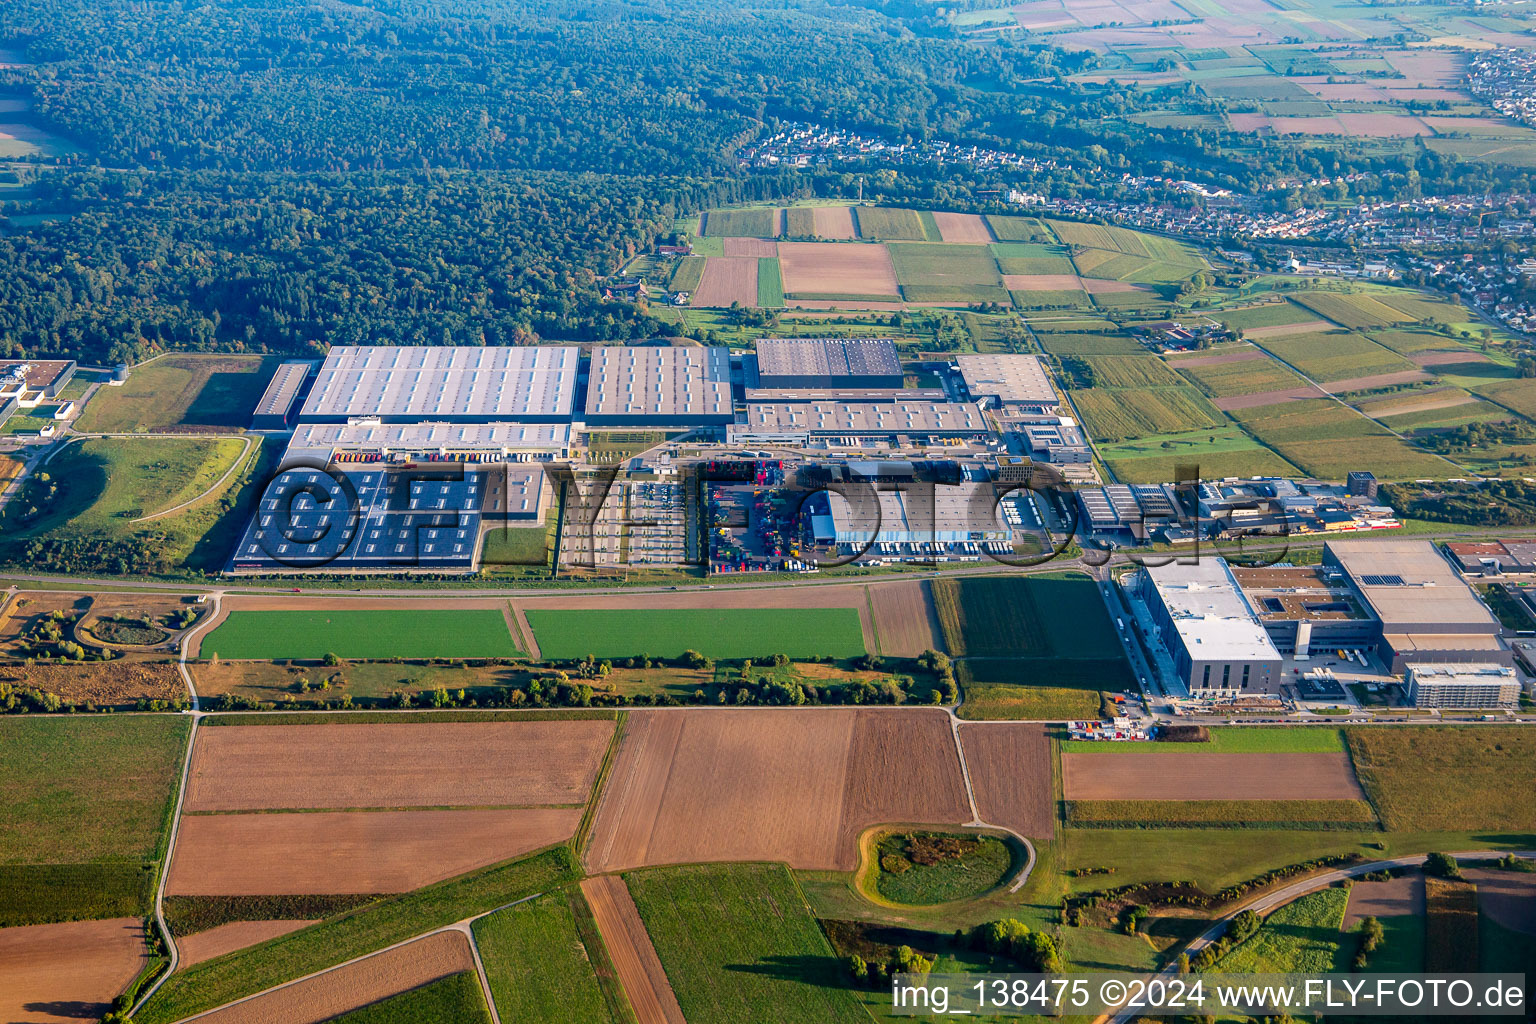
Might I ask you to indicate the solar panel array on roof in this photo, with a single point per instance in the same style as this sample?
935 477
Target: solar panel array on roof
828 362
373 519
475 385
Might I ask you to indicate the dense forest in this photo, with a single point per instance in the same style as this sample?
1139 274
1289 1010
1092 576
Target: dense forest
276 174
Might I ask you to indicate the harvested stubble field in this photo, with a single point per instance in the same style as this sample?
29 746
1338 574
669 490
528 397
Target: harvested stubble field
905 620
833 269
890 224
761 222
1011 774
1242 377
753 247
634 957
359 852
355 631
1446 778
1351 310
965 228
1197 775
226 938
784 785
1354 814
1270 314
834 222
451 764
1019 229
1146 371
1286 330
355 985
1337 355
65 973
727 279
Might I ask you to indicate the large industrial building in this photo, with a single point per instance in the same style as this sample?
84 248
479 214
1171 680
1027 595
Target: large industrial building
659 387
534 384
790 422
1015 382
1463 686
1218 646
276 404
1425 611
427 442
828 363
1308 608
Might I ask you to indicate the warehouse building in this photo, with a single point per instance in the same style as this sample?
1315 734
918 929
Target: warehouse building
427 442
798 422
1425 610
444 385
34 381
659 387
1015 382
1218 645
1474 686
828 363
1494 558
276 403
912 523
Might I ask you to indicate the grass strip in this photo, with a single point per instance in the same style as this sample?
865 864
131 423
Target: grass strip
229 977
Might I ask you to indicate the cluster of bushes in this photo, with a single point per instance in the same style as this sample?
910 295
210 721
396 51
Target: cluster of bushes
1509 862
19 700
1371 936
48 640
1035 951
877 975
1443 865
1187 894
1239 929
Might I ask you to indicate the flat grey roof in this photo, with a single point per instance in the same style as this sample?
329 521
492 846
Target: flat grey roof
282 389
494 383
863 418
632 382
1210 612
1407 583
827 357
318 438
1008 377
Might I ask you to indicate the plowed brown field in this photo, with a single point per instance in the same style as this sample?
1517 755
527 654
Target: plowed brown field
360 852
634 958
66 973
963 227
750 247
727 279
831 268
791 785
1397 897
226 938
1010 766
356 985
1507 897
834 222
905 619
1199 775
439 764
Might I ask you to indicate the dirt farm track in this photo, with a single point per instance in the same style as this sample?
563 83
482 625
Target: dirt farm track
792 785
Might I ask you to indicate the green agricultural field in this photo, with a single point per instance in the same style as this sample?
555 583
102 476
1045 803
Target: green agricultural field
759 222
1419 306
1024 617
800 222
738 943
363 635
1086 343
1038 689
1272 314
194 389
1211 858
456 998
1303 936
883 224
391 919
1110 415
1245 739
1351 310
1519 395
539 968
1251 460
1327 439
685 278
1337 355
728 633
1408 342
1268 814
770 284
1144 371
84 803
1052 300
1245 377
1019 229
944 273
1447 778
